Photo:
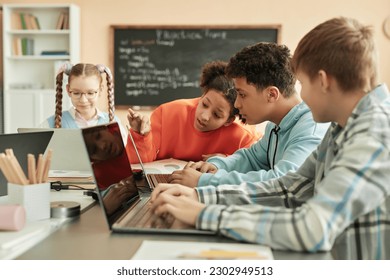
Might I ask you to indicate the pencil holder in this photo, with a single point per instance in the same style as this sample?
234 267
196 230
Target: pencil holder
34 198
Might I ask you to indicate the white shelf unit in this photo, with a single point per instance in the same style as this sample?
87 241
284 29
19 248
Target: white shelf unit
29 80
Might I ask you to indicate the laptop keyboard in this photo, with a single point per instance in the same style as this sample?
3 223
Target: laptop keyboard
145 218
158 178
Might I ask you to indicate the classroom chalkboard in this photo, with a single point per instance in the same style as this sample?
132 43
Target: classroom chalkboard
156 64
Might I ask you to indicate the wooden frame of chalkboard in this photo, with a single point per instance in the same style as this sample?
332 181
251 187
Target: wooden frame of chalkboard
157 64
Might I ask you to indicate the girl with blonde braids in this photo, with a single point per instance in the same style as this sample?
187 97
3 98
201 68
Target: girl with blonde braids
85 84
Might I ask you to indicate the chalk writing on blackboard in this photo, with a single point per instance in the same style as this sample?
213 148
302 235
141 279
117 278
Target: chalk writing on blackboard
157 65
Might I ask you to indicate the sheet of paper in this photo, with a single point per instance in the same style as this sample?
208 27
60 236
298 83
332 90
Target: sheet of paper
15 243
163 250
69 173
162 166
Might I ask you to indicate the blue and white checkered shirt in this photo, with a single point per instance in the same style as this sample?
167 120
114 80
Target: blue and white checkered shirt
340 195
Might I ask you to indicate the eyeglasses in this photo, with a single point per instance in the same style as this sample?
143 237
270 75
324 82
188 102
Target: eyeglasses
89 95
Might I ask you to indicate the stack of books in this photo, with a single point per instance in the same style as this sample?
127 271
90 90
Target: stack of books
63 21
23 46
25 21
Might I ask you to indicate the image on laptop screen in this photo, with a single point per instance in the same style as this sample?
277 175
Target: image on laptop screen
111 168
125 205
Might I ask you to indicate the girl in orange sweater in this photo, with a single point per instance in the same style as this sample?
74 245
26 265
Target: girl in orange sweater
192 129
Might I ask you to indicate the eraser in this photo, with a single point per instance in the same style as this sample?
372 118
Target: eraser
12 217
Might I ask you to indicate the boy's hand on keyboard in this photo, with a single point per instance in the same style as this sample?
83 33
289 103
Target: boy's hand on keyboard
188 177
202 166
173 189
163 221
179 201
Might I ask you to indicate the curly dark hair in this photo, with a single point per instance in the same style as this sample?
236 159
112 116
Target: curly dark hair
263 65
214 77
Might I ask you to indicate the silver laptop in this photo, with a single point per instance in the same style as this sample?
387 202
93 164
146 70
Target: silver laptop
124 204
152 179
68 149
22 144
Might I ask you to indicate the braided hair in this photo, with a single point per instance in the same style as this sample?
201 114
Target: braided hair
80 70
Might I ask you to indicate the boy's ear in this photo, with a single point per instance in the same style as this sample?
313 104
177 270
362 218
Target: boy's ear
229 121
324 80
272 94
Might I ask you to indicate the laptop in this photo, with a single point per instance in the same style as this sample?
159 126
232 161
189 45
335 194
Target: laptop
125 206
22 144
68 152
152 179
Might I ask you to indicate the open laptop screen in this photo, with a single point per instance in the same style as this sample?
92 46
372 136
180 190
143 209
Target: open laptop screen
68 149
111 169
22 144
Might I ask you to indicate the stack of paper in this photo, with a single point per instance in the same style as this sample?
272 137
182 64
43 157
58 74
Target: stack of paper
162 250
71 176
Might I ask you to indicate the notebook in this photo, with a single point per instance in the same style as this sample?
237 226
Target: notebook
68 152
23 144
124 205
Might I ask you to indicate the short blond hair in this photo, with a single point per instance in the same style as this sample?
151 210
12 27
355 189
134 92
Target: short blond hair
344 49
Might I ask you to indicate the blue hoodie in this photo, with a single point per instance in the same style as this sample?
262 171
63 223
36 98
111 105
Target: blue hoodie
283 148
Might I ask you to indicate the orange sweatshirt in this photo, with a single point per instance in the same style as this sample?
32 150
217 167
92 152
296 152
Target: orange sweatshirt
173 135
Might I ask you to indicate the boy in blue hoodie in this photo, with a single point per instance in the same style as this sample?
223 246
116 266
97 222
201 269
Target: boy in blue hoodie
266 92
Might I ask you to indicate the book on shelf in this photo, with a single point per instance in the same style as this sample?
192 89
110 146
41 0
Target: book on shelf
23 46
15 21
24 21
17 46
33 22
66 21
37 23
60 52
27 46
63 21
28 20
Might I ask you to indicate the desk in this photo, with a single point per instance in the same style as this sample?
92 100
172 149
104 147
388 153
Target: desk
12 243
88 237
